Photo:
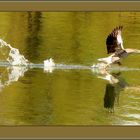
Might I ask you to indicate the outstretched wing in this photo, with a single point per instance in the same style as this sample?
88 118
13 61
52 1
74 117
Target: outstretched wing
114 40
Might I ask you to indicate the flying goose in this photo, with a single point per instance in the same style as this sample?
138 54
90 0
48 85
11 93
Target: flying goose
114 44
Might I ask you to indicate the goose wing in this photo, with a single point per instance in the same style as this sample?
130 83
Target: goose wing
114 40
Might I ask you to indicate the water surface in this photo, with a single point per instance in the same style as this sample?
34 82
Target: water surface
69 96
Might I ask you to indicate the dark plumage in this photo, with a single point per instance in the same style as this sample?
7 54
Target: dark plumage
114 44
113 41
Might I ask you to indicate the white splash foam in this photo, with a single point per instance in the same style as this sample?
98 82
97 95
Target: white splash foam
48 69
12 74
49 65
15 74
14 57
99 65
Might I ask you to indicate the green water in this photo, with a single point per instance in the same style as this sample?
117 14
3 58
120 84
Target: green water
76 96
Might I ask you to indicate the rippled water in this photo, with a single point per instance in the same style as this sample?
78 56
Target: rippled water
73 94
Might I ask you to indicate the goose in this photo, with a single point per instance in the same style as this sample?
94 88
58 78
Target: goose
114 44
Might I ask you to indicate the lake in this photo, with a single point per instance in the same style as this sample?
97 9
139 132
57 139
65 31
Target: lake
73 96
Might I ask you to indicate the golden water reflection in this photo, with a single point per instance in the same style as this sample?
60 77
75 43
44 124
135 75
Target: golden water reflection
72 96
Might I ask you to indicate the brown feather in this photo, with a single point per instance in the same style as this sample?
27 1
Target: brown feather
111 41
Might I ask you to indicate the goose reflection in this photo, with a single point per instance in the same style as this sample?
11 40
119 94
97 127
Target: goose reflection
116 83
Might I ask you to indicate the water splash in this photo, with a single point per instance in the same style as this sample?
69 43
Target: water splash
11 74
13 57
49 69
99 65
15 73
49 65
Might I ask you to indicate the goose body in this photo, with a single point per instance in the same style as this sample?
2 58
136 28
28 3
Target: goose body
114 45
